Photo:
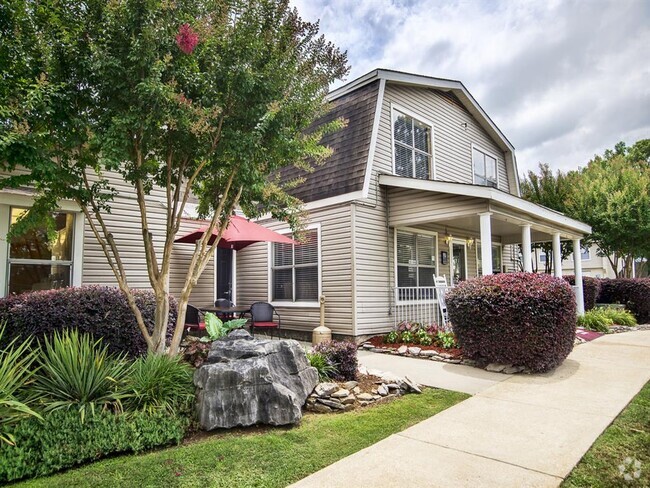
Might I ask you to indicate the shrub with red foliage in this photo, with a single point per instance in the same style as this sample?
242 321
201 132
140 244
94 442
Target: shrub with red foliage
634 293
343 356
523 319
590 289
99 310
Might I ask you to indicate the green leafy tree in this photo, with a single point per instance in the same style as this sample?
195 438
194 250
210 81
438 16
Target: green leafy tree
612 195
205 99
550 190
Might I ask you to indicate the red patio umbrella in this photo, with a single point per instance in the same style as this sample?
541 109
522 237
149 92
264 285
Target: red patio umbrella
239 234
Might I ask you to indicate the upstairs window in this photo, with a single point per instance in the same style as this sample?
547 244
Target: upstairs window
295 270
413 153
485 168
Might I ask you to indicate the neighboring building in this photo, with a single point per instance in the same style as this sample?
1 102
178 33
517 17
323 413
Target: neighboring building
419 180
421 184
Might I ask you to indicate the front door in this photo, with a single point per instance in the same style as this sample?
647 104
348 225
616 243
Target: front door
458 262
224 273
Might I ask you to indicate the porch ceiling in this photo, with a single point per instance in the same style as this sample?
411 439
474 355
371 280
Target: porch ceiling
456 205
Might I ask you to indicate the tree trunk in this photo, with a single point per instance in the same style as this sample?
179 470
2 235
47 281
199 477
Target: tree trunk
161 322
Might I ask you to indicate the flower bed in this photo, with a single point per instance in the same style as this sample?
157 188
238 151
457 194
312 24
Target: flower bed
379 342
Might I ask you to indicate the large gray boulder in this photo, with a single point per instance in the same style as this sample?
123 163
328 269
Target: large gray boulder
248 381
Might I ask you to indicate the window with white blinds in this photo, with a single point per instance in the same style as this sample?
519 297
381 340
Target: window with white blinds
294 270
412 141
416 259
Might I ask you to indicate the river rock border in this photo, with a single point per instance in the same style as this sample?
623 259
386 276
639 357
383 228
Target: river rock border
330 397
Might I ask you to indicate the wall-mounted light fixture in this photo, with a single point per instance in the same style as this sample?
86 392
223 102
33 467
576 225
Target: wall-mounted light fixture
470 242
448 239
464 125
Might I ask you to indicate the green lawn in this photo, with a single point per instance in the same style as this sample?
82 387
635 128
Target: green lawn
273 458
627 437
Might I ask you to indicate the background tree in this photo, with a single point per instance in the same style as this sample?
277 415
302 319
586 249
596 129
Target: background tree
552 191
200 98
612 195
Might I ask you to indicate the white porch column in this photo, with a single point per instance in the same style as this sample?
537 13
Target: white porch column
557 256
525 248
486 242
577 266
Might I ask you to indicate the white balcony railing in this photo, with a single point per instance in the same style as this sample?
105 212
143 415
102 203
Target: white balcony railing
419 304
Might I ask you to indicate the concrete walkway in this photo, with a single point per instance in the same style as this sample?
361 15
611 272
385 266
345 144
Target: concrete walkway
525 431
455 377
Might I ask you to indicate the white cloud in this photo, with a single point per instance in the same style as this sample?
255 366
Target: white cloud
563 80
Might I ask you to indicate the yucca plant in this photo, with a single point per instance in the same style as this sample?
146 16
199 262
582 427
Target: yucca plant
15 373
159 382
77 372
325 369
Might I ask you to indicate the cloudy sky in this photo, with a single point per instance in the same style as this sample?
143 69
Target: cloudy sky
563 80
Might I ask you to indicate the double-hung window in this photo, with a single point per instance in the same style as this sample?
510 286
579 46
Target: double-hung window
497 259
416 259
412 145
36 262
485 168
295 270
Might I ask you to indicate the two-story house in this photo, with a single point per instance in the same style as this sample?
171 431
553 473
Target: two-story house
422 183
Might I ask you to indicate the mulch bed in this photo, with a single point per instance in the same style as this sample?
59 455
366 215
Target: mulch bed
378 341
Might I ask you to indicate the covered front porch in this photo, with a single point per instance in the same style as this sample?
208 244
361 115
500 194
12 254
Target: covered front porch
459 232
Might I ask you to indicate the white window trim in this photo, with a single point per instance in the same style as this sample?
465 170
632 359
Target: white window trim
478 254
488 153
412 230
76 265
451 259
279 304
395 108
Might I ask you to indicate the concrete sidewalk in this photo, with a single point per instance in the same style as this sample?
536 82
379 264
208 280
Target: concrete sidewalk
455 377
525 431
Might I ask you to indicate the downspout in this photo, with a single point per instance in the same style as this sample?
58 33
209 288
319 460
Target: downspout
353 266
391 294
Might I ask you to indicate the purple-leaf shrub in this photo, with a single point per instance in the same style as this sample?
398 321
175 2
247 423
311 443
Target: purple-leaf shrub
99 310
343 356
590 289
523 319
634 293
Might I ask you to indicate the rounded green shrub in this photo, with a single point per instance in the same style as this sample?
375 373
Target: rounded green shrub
523 319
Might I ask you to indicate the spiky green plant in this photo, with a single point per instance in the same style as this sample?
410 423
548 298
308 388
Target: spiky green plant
619 316
596 320
159 382
15 373
76 371
325 369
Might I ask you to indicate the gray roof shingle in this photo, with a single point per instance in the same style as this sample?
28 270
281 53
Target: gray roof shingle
344 171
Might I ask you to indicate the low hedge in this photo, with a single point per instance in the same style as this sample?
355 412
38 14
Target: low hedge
99 310
61 440
590 289
634 293
523 319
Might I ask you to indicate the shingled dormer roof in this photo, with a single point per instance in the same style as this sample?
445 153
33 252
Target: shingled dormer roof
344 171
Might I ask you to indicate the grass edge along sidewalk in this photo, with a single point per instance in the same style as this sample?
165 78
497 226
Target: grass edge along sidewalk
271 458
622 449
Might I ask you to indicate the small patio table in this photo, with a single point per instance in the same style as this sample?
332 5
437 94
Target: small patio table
226 311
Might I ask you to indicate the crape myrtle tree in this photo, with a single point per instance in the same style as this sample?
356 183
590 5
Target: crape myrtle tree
204 99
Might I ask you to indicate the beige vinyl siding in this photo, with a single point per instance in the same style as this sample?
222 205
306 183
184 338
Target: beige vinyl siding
374 268
125 224
411 207
336 263
452 141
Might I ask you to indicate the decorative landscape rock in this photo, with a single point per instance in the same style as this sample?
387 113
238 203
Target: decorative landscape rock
247 381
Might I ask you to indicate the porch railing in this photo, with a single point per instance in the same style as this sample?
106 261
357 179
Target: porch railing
419 304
